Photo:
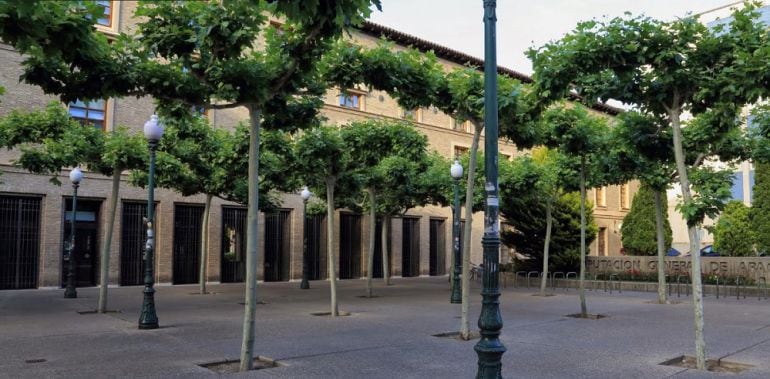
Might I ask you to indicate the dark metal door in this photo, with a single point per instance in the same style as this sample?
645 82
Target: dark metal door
277 247
410 250
233 245
187 243
86 251
19 241
316 249
350 246
437 249
133 235
377 272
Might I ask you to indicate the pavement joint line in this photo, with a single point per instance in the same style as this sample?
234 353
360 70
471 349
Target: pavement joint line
335 352
677 373
743 349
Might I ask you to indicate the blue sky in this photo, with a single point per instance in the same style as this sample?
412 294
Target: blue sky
521 24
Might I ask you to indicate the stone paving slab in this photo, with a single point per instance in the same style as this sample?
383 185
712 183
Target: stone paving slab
389 336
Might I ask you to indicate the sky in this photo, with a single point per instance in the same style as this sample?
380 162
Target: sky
458 24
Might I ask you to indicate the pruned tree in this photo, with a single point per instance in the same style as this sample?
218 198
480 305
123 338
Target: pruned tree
584 138
51 141
201 53
324 163
663 69
379 151
418 80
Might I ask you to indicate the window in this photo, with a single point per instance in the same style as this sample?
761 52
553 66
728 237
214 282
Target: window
460 151
106 18
412 114
624 196
464 126
507 156
92 112
737 189
351 100
601 196
200 110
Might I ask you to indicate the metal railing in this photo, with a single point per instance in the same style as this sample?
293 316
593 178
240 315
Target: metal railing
761 282
530 274
555 276
679 285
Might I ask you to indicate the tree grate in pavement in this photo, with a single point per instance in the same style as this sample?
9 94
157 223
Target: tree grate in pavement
456 336
589 316
233 366
713 365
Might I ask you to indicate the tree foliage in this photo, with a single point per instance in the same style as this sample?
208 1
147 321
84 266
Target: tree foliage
733 235
760 207
526 213
638 229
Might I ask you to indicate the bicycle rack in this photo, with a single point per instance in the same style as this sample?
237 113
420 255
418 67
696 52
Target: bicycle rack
516 279
555 276
530 274
566 282
594 282
761 282
609 280
738 285
679 284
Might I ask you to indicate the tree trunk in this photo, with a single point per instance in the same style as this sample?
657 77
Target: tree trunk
247 347
697 298
385 246
204 245
583 306
104 275
465 332
661 239
548 225
332 257
372 236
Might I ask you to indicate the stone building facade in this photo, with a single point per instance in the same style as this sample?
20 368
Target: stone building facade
34 212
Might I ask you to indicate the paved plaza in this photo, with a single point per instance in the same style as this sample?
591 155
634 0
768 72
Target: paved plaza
385 337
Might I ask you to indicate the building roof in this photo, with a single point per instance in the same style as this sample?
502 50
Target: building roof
453 55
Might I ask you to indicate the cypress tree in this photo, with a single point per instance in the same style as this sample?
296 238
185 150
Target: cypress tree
760 208
733 235
638 229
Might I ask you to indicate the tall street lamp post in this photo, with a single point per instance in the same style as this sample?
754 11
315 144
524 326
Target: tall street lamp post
489 348
69 291
457 172
153 131
305 268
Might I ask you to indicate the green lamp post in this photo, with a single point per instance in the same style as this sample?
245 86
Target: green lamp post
456 170
148 319
489 348
69 291
305 194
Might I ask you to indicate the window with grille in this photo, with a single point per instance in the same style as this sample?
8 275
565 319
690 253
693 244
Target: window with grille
460 151
106 17
351 100
93 112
